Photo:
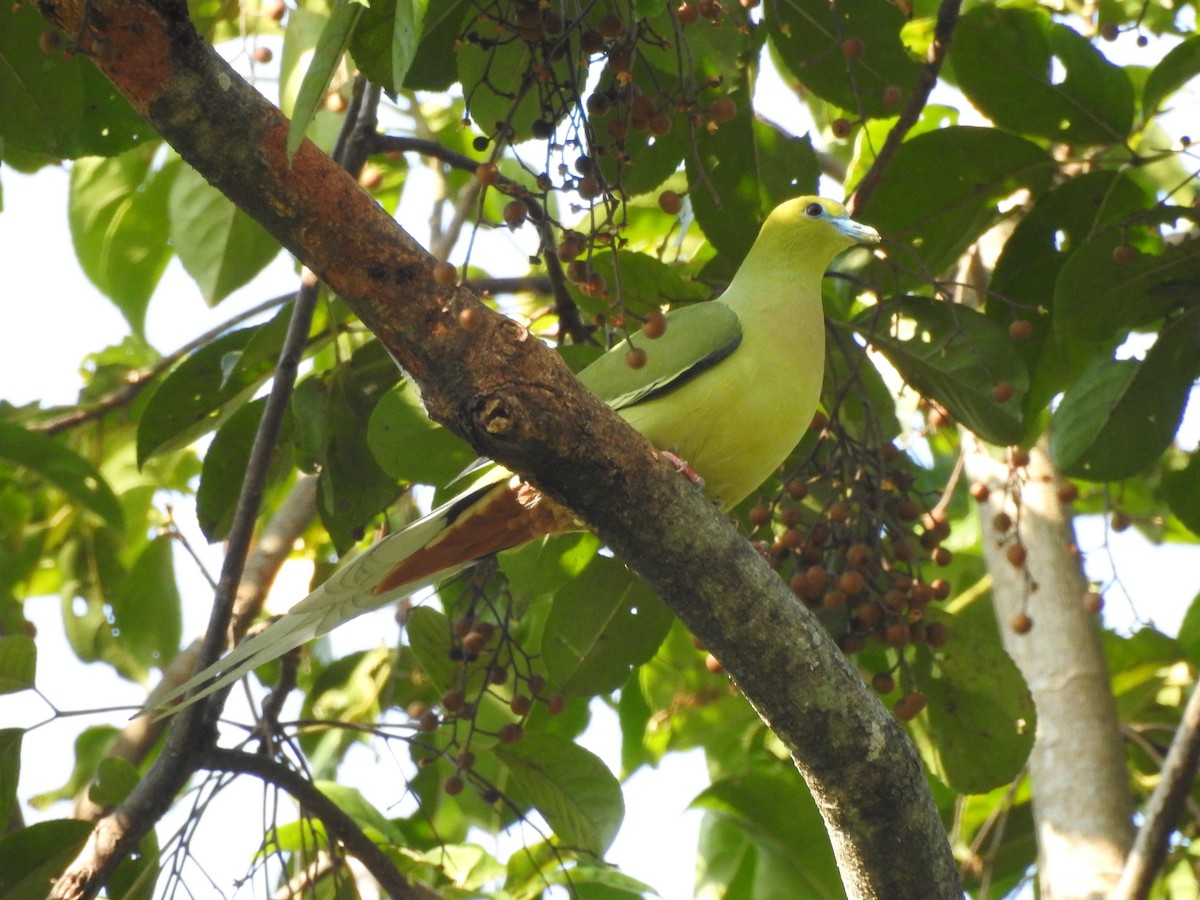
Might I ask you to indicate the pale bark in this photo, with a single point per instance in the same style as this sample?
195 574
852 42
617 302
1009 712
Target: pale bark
1081 800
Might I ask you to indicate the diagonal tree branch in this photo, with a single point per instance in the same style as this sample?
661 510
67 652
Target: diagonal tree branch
339 825
513 399
943 33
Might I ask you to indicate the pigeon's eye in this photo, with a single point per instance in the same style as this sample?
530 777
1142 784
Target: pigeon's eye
814 210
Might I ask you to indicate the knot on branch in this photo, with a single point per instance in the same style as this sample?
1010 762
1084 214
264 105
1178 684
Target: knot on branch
495 416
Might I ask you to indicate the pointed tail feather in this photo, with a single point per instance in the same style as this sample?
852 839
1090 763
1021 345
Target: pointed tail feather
484 520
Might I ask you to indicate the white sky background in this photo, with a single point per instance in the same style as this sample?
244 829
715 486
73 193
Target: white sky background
40 283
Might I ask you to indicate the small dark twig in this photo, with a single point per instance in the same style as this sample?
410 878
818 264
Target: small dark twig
1162 812
339 825
943 32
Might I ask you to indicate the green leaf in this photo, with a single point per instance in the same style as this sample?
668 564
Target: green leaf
409 446
602 624
1181 488
1121 415
31 858
429 637
115 778
117 210
91 746
1023 282
64 468
146 610
57 106
1102 291
352 487
763 831
331 46
225 463
384 43
208 387
645 283
942 190
1189 631
979 721
809 36
953 355
542 567
434 65
349 800
1008 61
1176 69
220 246
570 786
10 763
18 663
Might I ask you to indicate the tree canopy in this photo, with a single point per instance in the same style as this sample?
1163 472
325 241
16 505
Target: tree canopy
583 168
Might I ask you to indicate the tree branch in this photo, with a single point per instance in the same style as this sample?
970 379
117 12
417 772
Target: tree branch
1166 804
943 33
514 399
339 825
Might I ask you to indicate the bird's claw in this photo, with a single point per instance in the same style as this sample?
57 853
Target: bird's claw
683 468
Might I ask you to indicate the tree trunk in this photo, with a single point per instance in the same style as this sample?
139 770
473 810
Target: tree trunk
1081 801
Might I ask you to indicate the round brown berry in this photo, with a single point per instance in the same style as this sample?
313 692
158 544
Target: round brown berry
520 705
515 213
883 683
445 274
611 26
841 128
1068 492
713 664
1092 602
453 786
1021 623
1123 254
277 10
722 110
510 733
1109 31
1020 330
853 47
1016 554
670 202
687 14
980 492
635 358
937 634
655 325
487 173
1121 522
892 95
262 55
1003 392
555 704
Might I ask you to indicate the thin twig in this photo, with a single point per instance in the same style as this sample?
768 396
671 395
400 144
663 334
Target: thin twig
943 32
339 825
1150 847
137 380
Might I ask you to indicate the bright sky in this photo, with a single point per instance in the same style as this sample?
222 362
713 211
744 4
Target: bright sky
48 294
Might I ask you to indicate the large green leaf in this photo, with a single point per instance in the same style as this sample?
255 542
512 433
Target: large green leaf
384 43
979 721
146 609
352 487
954 355
31 858
763 837
224 468
1120 416
10 765
18 663
645 283
1181 488
117 210
1032 75
221 247
209 386
570 786
64 468
1125 276
320 66
55 105
602 623
942 190
433 65
1023 281
429 637
1176 69
409 446
850 54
